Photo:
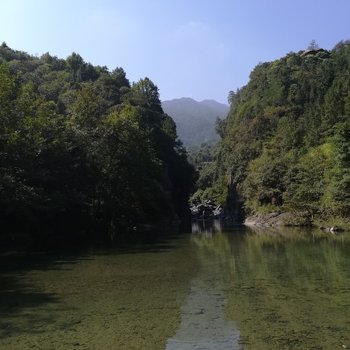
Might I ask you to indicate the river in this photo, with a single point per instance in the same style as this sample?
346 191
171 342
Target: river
212 289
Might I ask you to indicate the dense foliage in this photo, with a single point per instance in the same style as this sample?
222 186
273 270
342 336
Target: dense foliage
82 148
286 142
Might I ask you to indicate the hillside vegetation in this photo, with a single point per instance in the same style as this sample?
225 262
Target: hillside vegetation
286 142
82 149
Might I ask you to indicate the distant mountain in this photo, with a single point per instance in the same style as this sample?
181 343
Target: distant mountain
195 120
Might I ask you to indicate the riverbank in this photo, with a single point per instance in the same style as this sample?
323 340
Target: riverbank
280 219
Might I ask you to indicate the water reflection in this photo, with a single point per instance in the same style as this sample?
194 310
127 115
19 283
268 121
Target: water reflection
244 289
204 324
291 290
285 289
206 227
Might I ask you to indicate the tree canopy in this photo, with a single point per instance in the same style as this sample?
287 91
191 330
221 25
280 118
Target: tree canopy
285 143
83 149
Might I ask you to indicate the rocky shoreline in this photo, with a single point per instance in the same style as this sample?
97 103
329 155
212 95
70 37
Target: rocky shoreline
284 219
278 219
206 210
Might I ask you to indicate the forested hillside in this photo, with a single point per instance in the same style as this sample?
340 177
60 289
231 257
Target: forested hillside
286 142
83 149
195 120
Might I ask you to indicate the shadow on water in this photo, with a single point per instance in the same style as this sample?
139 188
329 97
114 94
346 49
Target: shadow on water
141 243
26 300
20 296
213 289
124 296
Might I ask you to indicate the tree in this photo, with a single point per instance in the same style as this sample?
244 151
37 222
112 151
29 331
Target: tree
286 133
75 63
82 151
313 45
145 93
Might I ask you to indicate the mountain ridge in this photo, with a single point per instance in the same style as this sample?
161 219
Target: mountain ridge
195 120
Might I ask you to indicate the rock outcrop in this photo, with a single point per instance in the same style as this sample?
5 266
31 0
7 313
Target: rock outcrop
279 219
206 210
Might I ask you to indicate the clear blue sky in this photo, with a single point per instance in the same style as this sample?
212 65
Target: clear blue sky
194 48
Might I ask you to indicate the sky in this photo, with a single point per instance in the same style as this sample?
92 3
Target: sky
189 48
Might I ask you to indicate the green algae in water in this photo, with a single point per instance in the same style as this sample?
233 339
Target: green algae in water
204 324
104 300
267 290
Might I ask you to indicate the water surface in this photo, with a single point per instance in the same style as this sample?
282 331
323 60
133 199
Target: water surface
287 289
